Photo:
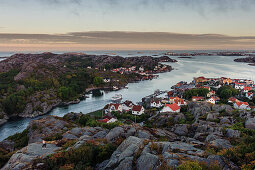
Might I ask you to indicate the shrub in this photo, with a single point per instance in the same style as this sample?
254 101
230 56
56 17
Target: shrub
86 156
56 136
20 139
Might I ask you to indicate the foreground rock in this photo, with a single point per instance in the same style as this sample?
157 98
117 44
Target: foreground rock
23 158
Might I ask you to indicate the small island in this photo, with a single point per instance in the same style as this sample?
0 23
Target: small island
250 60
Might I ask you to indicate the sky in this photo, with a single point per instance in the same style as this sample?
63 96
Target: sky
57 25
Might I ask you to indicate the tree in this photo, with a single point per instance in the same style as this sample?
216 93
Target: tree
13 104
226 93
64 93
98 81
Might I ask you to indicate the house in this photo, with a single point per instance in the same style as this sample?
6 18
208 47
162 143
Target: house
246 89
232 100
127 105
242 106
156 103
179 101
115 107
249 95
171 108
213 100
197 98
107 80
211 93
239 86
170 93
137 110
141 69
107 119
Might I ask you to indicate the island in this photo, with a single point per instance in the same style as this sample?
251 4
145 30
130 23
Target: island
208 123
34 84
250 60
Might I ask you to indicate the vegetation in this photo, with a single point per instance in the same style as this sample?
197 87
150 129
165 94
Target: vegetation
195 165
195 92
85 157
225 92
20 139
87 120
243 154
130 116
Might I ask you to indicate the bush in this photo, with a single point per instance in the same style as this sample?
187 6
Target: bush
56 136
20 139
86 156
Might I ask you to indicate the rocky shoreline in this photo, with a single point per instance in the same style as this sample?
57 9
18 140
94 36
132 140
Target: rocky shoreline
250 60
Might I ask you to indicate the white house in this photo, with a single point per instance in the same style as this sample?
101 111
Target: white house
156 103
127 105
242 106
211 93
239 86
171 108
107 80
115 107
213 100
249 95
137 110
141 69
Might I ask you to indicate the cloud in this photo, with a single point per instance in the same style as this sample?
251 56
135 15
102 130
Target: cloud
121 37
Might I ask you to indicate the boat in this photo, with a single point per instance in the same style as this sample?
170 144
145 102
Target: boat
117 98
115 88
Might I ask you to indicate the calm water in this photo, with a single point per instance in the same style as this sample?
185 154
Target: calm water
185 69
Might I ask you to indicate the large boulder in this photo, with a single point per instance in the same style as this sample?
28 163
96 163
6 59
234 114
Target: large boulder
250 123
222 107
144 134
181 130
147 161
230 133
221 144
114 133
199 109
45 127
125 152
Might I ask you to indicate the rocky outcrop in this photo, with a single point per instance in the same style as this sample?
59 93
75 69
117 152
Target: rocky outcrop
246 60
23 158
250 123
46 127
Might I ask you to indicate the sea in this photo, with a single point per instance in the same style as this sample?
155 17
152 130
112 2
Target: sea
184 70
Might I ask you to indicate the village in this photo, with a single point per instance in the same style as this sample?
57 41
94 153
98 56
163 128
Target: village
238 93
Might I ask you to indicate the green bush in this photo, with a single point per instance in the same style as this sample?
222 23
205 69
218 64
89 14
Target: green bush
87 155
20 139
56 136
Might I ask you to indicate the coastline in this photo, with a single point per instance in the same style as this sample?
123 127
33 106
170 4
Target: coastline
79 98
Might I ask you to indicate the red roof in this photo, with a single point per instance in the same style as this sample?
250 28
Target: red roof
170 93
116 105
197 98
247 88
232 99
103 120
173 107
137 108
242 103
128 103
250 93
